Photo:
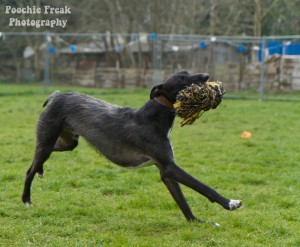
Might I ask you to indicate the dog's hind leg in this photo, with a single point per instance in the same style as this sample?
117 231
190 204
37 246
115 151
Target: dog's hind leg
47 135
41 155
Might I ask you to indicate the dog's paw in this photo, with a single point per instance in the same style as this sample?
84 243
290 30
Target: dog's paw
41 175
205 222
215 224
26 200
234 204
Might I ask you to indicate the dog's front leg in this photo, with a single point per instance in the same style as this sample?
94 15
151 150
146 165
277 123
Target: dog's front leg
172 171
176 193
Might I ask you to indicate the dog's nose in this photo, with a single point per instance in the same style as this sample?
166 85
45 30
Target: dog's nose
199 78
204 77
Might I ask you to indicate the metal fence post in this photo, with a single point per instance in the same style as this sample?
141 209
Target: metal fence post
262 68
156 59
47 62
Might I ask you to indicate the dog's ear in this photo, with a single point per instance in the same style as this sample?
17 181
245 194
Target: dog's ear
156 91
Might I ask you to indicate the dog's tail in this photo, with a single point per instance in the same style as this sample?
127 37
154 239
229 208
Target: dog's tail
50 97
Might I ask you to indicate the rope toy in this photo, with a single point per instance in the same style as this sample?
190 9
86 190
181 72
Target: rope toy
194 100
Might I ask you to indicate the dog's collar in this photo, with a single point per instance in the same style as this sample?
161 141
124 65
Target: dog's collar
164 101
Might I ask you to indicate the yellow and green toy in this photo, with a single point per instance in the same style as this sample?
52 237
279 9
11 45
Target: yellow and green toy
194 100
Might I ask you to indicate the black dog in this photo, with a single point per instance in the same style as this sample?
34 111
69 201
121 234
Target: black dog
128 137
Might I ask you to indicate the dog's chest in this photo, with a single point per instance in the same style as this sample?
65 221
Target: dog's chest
129 159
144 164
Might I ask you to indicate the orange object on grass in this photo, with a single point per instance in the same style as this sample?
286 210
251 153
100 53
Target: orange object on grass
246 135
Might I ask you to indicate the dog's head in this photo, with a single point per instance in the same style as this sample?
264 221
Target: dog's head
177 82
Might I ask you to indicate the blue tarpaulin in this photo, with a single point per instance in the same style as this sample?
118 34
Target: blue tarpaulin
292 49
280 48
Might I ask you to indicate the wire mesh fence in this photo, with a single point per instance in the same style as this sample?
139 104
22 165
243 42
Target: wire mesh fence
259 67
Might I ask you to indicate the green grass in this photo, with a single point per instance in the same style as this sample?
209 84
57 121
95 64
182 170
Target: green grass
84 200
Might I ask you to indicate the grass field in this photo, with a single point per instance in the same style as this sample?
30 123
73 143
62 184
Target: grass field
84 200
